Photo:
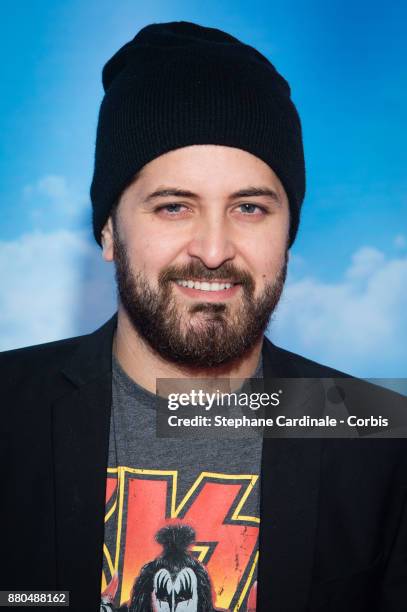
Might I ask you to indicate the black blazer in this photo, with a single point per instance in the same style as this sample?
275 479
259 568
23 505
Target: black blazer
333 532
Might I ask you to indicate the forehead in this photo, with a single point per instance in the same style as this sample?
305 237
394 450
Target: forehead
207 169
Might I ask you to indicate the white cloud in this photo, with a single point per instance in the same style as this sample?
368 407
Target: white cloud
54 285
53 195
364 263
356 324
400 241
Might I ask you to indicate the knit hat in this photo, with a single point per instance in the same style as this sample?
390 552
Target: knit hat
180 84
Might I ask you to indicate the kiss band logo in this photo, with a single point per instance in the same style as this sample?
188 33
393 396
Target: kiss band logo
199 555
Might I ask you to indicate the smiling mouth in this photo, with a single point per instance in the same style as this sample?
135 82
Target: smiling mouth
205 285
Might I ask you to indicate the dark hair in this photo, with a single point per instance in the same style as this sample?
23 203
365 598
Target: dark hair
175 540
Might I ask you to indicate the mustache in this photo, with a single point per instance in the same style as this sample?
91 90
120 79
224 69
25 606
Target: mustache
196 269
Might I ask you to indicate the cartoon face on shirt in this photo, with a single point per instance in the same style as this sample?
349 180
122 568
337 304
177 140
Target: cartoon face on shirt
175 594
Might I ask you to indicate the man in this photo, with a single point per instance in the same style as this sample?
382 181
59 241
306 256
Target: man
198 184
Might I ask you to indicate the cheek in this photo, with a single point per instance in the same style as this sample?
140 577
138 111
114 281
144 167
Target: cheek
152 251
265 257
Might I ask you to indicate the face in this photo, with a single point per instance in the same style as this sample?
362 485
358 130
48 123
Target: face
199 241
175 594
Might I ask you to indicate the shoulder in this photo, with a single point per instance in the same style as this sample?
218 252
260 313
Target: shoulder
295 364
31 377
29 362
81 354
378 421
39 373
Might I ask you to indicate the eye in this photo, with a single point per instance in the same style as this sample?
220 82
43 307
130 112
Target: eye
251 209
173 209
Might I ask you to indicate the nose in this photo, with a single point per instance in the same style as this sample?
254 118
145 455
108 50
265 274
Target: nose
212 242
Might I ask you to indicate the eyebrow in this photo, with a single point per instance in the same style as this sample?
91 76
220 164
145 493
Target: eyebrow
170 191
247 192
250 192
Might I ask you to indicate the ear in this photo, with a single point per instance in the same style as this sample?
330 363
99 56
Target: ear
107 240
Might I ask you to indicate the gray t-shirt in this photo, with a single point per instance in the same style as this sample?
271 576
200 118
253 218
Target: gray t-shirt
205 490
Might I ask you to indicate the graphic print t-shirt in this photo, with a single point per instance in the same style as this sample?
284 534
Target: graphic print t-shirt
182 515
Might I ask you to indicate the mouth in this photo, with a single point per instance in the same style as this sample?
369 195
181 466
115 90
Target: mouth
206 285
210 290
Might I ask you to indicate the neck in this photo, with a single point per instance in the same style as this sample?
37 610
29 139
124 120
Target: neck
144 365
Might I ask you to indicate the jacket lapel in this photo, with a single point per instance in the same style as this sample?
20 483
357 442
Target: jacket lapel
289 501
81 420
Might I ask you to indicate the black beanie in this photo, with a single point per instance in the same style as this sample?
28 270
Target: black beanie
180 84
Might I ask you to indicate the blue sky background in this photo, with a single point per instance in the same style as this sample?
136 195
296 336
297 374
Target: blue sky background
346 297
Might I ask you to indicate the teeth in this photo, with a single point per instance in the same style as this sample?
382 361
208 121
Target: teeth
204 285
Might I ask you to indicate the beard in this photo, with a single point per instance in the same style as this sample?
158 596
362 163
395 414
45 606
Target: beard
202 334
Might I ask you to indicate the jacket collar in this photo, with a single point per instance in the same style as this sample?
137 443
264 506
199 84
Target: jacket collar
93 356
289 484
